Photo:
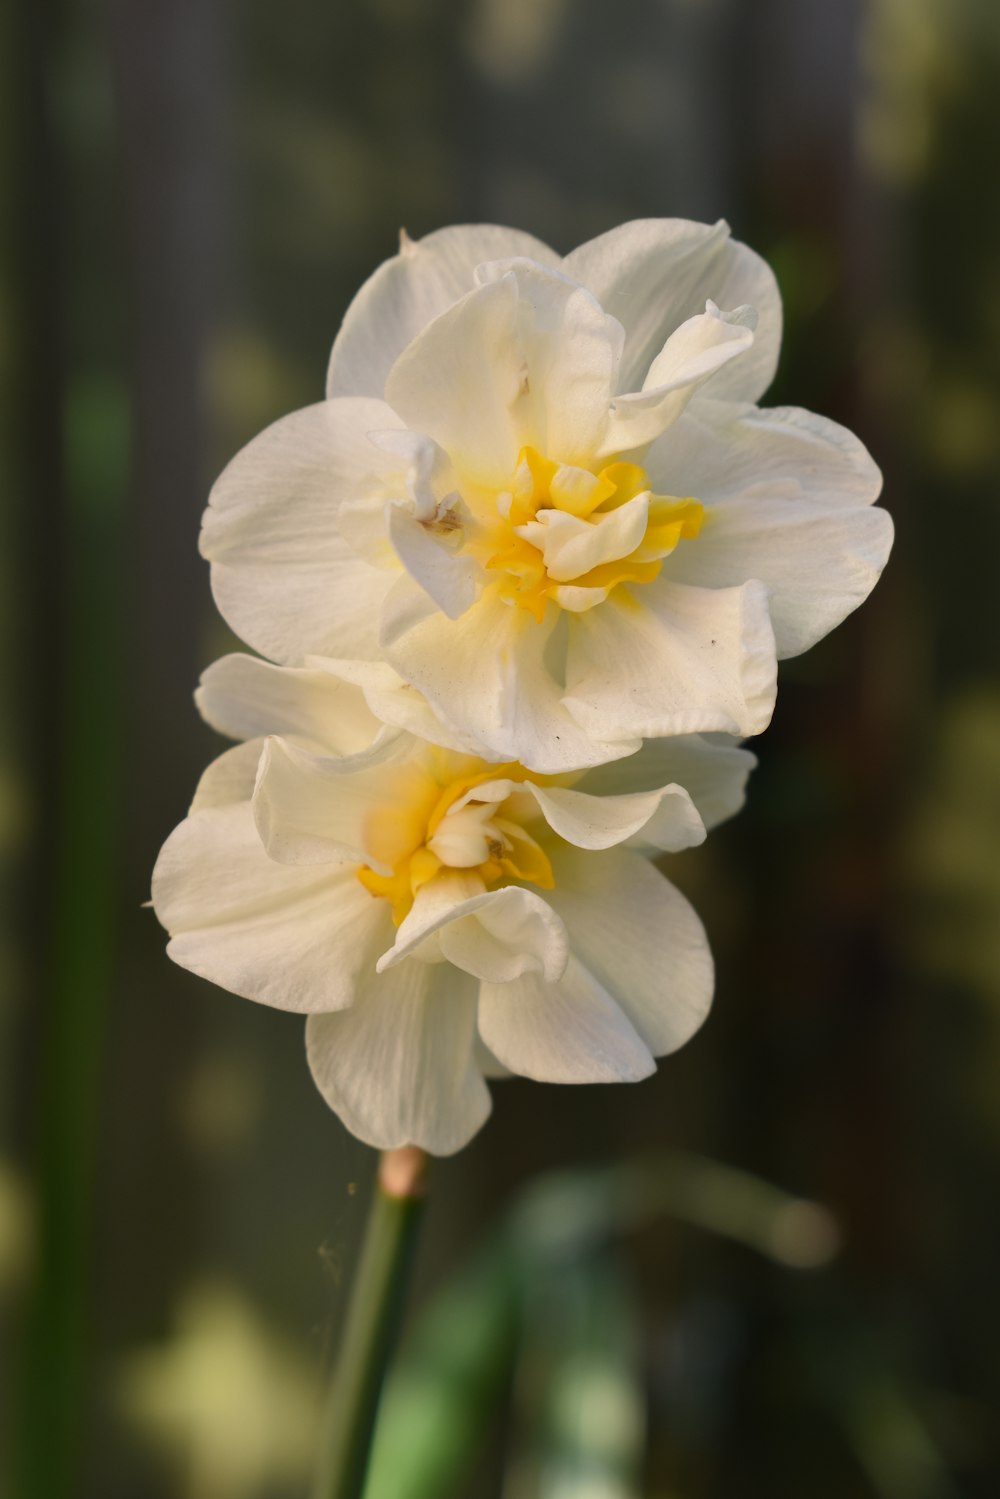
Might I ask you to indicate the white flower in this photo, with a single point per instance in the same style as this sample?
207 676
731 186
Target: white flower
438 917
539 488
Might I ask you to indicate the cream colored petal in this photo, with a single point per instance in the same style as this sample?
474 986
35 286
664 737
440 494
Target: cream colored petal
640 939
712 770
245 698
296 938
653 274
487 1062
460 379
399 1066
664 818
283 575
693 354
230 778
453 579
570 351
408 291
571 546
316 809
818 564
487 676
789 502
497 934
722 450
572 1031
395 701
527 359
673 660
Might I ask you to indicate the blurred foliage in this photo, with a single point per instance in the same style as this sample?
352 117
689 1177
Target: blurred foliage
232 1403
192 192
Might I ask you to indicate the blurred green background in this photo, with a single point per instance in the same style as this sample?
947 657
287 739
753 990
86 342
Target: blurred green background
191 192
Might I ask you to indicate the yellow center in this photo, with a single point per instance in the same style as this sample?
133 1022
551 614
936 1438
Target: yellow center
433 821
541 486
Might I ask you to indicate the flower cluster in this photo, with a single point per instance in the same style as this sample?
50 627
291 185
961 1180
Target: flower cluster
535 545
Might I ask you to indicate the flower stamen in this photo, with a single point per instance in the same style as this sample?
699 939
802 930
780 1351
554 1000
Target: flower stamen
566 534
452 830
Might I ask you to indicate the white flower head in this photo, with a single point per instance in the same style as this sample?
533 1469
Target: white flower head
540 489
440 918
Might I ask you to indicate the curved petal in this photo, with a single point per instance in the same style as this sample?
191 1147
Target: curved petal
246 698
572 546
283 575
408 292
693 354
395 701
789 499
399 1066
298 939
819 565
230 778
317 809
487 1062
722 450
712 771
453 579
459 381
572 1031
528 358
673 660
665 818
570 352
653 274
496 935
486 675
640 939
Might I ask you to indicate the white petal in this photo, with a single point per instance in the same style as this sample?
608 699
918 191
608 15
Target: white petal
314 809
395 701
487 1062
694 353
722 450
245 698
789 500
713 772
399 1066
497 935
818 565
570 352
673 660
230 778
486 675
572 1031
451 578
579 600
460 379
298 939
429 475
665 818
652 274
283 575
641 939
528 358
572 546
409 291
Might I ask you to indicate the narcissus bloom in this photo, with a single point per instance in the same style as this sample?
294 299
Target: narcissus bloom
540 489
439 918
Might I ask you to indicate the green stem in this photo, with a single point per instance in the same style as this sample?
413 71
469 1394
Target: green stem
372 1320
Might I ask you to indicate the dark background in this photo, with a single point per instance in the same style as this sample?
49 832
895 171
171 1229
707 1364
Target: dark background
191 192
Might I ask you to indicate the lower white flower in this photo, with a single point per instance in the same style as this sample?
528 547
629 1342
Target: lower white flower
440 919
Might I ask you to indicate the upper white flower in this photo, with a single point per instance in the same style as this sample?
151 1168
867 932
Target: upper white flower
539 488
438 917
